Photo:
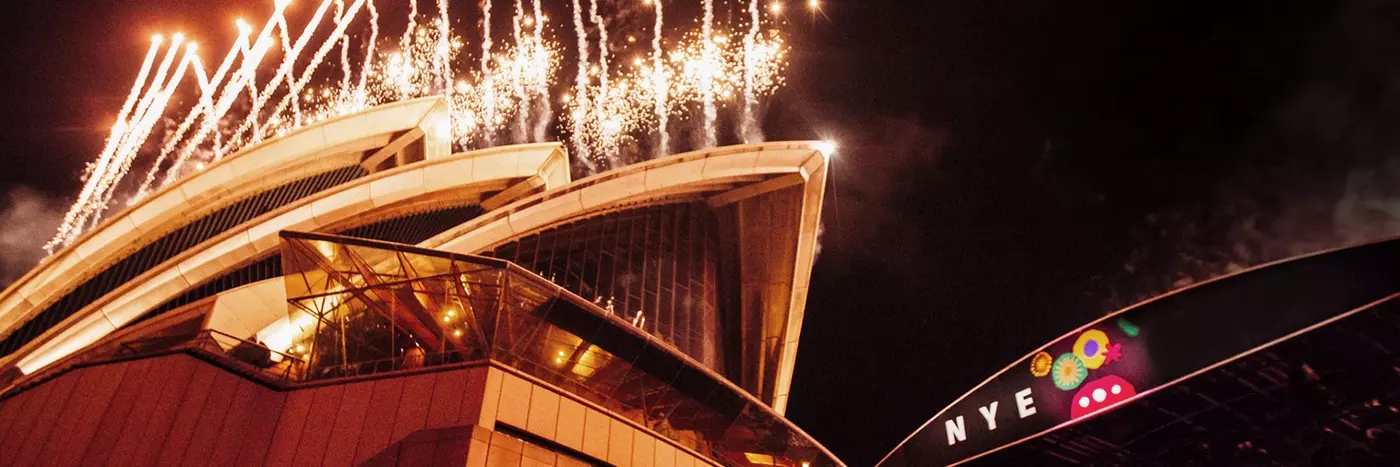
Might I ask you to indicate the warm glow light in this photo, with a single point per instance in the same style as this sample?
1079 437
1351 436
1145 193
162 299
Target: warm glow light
814 4
688 75
457 332
827 148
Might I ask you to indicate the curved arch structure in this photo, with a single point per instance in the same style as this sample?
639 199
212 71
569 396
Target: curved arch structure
770 195
648 315
404 130
1205 375
312 149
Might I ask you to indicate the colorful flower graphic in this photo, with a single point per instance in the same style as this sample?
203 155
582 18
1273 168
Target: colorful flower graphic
1040 364
1069 372
1091 347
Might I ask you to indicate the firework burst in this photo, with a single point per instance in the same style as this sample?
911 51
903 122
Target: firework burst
618 109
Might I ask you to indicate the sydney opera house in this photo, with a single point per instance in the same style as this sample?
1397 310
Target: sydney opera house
355 293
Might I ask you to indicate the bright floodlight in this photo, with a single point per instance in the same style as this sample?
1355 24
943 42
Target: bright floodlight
827 148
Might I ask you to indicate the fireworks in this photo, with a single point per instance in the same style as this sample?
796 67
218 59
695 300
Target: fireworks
613 110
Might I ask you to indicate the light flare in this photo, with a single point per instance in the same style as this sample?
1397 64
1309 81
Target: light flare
616 108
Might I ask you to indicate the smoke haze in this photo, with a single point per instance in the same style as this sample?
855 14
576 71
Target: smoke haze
27 218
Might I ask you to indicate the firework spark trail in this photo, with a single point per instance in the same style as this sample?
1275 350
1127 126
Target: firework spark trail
601 113
295 88
660 86
703 70
137 126
747 127
119 128
361 97
204 108
444 52
283 72
488 84
516 77
252 57
537 54
581 91
344 58
286 52
407 38
66 231
707 72
148 122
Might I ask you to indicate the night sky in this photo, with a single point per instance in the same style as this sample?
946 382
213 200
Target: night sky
1008 169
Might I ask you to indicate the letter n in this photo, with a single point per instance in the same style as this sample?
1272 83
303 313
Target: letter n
956 431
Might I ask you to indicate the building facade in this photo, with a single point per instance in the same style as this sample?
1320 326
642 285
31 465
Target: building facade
354 293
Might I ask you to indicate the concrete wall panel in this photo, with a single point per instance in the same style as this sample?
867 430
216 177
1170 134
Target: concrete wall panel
340 449
63 389
325 406
256 434
446 403
482 398
643 449
229 435
570 429
620 437
379 420
596 428
514 406
169 389
211 419
544 412
28 406
114 418
290 425
413 407
78 424
177 438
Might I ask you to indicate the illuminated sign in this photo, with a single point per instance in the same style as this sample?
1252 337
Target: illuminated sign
1123 357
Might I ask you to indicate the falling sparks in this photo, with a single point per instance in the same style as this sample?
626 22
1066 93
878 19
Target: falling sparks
707 70
579 114
749 122
488 75
660 85
623 102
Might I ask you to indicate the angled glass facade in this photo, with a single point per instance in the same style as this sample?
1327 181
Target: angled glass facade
655 267
369 307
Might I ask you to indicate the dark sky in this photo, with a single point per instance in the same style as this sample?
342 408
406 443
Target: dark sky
1009 169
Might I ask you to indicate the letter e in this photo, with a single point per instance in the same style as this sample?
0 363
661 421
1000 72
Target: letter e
1023 403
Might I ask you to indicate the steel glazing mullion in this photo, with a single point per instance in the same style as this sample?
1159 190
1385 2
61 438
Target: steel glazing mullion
630 248
604 258
569 260
615 251
689 269
578 247
676 335
553 253
657 306
675 268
